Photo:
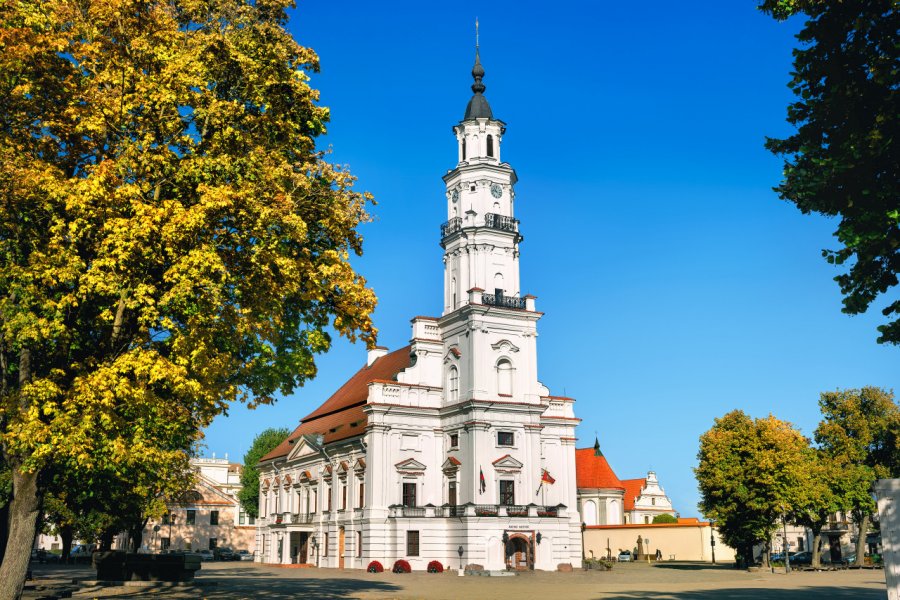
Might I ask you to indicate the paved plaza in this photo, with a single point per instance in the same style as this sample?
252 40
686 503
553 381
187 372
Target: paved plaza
665 581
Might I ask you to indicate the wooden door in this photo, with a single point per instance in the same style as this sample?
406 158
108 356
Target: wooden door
304 543
341 548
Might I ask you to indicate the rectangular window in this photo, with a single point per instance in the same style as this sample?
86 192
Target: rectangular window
507 492
359 543
451 493
412 543
315 501
164 544
165 519
328 501
191 517
362 494
505 438
214 517
344 497
242 518
212 543
454 440
251 520
409 494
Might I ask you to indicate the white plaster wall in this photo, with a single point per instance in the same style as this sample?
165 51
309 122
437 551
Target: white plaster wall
887 493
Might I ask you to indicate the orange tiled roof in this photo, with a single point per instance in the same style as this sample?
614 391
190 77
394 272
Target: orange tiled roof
342 416
633 489
454 461
592 471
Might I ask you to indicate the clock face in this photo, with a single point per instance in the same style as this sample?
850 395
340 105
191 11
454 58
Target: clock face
455 195
496 190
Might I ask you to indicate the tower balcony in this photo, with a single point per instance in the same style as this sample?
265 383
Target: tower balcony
451 226
498 299
501 222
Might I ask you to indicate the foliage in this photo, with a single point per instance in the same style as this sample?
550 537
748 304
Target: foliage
170 239
435 567
665 518
749 475
375 567
265 442
822 493
842 160
401 566
860 432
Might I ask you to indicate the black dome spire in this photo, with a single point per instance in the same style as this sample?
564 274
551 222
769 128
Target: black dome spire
478 107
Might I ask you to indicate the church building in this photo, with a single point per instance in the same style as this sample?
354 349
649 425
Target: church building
449 449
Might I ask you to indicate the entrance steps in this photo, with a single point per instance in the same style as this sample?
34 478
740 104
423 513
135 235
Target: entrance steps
497 573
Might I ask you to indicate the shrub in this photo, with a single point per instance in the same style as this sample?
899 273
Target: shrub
375 567
401 566
665 518
435 567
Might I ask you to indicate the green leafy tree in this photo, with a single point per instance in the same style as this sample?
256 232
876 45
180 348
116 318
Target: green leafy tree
822 493
843 159
860 432
171 241
749 476
665 518
263 443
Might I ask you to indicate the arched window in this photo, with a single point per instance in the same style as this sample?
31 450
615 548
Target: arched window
498 282
490 145
453 385
615 517
504 377
589 510
464 148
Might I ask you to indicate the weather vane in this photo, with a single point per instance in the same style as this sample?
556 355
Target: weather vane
476 32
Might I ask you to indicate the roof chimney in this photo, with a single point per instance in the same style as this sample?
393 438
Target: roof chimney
375 353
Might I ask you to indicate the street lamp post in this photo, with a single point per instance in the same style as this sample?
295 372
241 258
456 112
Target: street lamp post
787 547
712 543
460 552
583 527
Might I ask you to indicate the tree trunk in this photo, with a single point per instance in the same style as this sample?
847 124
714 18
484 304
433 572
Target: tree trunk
861 541
23 514
66 534
816 552
106 540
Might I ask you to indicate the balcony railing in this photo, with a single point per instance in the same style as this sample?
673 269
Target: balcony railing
303 518
502 301
451 226
501 222
476 510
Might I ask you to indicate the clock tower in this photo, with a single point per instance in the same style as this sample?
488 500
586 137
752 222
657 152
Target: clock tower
481 236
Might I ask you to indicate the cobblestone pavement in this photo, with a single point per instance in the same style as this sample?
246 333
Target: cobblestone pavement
665 581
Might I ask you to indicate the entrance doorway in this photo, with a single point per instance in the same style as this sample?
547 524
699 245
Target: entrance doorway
518 554
299 547
341 548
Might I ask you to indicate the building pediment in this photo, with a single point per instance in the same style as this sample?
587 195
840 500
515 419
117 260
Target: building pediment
410 465
360 465
302 447
505 346
507 464
451 464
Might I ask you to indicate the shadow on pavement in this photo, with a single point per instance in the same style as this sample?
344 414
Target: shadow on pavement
810 593
231 588
693 566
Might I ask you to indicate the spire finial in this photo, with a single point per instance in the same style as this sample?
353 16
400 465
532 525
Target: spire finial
477 70
597 447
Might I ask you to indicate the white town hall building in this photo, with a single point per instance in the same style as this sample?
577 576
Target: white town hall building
450 444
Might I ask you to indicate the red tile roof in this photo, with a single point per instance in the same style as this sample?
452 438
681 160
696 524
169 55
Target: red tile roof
454 461
633 489
342 416
592 471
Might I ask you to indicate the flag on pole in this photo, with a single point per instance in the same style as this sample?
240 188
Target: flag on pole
483 485
545 478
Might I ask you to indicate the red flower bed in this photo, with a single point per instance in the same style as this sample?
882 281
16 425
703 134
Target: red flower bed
435 567
375 567
401 566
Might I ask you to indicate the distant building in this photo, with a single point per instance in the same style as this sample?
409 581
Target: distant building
209 516
604 499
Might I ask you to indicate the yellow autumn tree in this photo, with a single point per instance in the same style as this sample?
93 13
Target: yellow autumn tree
171 240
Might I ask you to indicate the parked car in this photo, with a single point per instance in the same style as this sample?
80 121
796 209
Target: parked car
244 555
205 554
624 556
802 558
224 554
82 553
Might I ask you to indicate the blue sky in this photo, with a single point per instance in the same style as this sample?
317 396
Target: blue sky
676 285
